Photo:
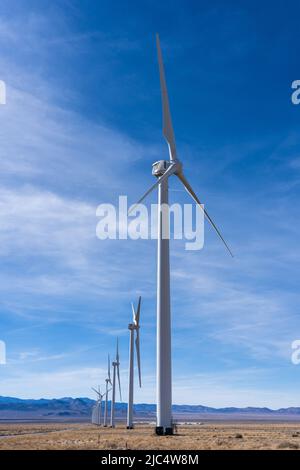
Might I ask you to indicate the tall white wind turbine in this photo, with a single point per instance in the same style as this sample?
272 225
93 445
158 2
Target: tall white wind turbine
134 329
116 373
163 169
107 383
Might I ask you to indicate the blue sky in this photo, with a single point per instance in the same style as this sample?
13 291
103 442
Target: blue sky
82 125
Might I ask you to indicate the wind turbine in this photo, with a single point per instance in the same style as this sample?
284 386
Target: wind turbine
96 419
95 413
107 382
116 370
133 327
163 169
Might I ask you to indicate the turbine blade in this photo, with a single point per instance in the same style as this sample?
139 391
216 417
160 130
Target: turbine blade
168 131
189 189
96 391
108 369
117 352
118 373
133 312
137 316
138 354
167 173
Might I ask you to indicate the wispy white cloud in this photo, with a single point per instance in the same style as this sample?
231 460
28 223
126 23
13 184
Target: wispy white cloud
73 382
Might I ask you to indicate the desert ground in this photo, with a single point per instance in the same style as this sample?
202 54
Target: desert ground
207 435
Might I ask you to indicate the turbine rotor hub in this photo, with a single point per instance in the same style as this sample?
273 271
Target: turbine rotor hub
160 167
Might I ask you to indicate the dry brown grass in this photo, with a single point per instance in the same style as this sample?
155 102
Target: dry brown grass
190 437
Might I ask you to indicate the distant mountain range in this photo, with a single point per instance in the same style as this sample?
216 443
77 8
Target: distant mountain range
80 409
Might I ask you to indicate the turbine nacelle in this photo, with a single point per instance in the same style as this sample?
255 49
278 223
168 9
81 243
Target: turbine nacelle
161 166
98 393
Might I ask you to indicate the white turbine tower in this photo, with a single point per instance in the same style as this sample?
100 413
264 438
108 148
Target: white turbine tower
162 170
94 411
116 371
107 383
133 327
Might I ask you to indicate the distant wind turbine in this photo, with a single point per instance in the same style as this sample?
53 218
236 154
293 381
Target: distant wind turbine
133 327
107 383
116 372
96 415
